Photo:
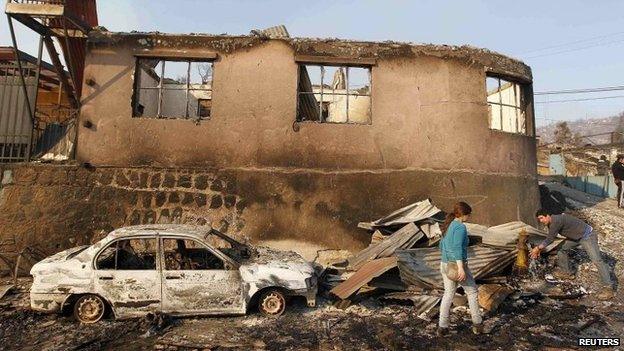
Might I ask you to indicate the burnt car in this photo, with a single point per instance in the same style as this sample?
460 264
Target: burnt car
174 269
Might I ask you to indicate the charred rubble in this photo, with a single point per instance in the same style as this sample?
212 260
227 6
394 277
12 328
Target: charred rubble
401 264
535 314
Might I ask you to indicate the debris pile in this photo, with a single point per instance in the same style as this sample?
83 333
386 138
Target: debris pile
403 260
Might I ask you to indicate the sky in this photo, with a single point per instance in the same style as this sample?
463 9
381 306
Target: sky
570 44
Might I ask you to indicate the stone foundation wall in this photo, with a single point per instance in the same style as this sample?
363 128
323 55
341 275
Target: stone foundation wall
55 207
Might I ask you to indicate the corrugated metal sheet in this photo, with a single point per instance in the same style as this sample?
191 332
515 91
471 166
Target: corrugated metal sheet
603 186
497 266
48 78
504 235
404 238
409 214
422 266
431 230
516 227
422 303
364 275
389 280
15 122
276 32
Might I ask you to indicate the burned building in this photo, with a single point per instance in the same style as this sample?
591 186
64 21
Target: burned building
315 135
277 138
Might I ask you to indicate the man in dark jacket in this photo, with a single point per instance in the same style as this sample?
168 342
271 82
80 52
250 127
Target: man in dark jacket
576 233
618 174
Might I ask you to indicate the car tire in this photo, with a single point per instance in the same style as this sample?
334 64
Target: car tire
272 303
89 309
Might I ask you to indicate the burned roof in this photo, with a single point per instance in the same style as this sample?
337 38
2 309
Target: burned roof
48 77
328 47
177 229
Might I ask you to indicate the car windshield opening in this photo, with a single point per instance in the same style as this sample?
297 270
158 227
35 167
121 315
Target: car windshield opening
233 249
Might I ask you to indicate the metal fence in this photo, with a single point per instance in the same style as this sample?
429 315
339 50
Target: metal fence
603 186
50 136
15 123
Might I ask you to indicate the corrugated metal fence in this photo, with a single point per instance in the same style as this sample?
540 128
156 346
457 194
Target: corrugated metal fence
15 123
50 136
603 186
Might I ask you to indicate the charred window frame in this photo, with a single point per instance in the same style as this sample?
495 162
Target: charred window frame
169 87
136 254
510 105
334 93
196 256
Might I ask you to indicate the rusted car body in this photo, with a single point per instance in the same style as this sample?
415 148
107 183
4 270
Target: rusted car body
172 269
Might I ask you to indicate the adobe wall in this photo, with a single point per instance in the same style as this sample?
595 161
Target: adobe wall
427 113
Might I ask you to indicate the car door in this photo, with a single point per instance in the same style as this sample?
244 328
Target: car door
127 274
197 279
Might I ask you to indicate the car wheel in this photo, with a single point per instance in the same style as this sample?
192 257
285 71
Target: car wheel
89 309
272 303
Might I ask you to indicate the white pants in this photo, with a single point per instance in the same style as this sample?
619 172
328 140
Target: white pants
470 287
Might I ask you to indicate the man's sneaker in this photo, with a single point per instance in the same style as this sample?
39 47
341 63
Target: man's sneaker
606 293
477 329
561 275
441 331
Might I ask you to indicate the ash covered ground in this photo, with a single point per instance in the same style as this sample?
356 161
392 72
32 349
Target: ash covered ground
528 320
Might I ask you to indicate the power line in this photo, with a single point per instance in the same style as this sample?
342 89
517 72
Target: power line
611 124
575 49
580 91
586 99
571 43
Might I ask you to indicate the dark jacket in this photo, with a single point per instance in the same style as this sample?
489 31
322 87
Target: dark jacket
618 170
566 225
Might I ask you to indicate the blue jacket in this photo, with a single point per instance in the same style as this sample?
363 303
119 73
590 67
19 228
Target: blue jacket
454 244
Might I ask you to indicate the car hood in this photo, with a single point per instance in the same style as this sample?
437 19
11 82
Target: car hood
62 272
280 265
266 255
63 255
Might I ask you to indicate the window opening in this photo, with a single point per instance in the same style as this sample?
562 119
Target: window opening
129 254
334 94
185 254
172 88
508 104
